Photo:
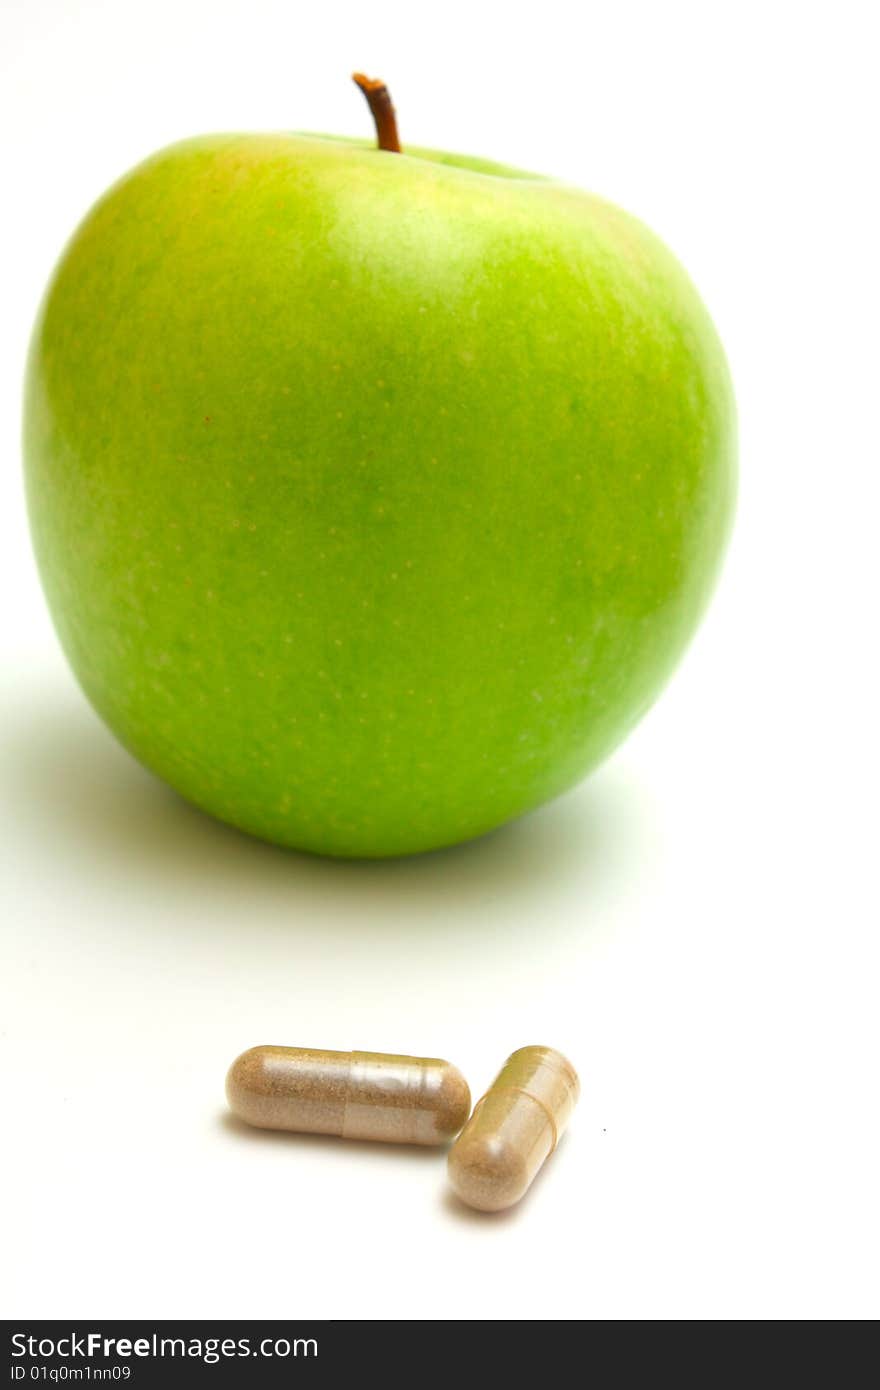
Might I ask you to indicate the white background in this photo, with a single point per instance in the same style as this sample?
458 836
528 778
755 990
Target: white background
696 926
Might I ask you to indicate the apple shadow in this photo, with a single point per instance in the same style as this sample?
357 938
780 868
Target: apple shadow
70 786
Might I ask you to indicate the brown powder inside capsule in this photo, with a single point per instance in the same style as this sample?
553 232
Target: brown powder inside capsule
356 1095
514 1129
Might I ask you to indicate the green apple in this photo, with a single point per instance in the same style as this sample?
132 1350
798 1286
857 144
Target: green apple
375 495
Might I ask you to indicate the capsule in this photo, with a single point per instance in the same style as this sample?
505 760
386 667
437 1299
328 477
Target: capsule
355 1095
514 1129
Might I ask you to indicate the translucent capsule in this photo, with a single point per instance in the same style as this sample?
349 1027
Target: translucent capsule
356 1095
514 1128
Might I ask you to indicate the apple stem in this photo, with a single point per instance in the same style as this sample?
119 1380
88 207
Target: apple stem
381 109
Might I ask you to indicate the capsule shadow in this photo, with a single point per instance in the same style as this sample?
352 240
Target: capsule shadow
310 1143
453 1206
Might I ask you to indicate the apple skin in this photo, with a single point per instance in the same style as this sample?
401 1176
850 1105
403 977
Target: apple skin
375 496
